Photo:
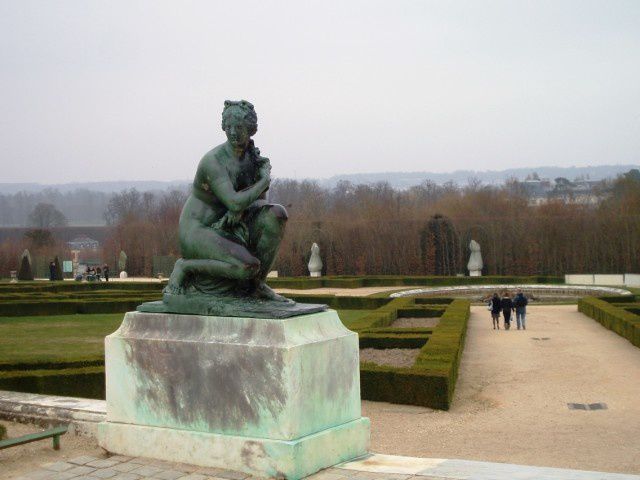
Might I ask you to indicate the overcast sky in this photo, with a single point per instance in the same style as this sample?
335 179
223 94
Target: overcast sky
114 90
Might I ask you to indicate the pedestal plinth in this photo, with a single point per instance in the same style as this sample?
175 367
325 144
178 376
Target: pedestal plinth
270 397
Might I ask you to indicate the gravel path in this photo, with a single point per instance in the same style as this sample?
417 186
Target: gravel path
395 357
512 394
412 322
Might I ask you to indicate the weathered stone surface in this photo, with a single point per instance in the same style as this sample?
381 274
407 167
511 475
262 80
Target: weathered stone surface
238 376
254 392
257 456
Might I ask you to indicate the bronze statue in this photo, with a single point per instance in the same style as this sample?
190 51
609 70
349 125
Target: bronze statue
229 233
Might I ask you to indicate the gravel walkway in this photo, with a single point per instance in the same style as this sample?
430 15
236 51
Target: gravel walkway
512 395
394 357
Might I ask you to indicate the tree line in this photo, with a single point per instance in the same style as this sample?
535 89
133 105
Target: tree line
422 230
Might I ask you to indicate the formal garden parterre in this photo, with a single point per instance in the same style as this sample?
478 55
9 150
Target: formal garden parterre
52 335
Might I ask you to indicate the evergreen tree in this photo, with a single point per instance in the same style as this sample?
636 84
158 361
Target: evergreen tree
25 273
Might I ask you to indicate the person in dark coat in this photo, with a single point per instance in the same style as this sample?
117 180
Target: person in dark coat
496 307
105 272
507 307
520 303
52 271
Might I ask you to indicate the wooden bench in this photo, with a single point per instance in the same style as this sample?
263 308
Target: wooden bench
34 437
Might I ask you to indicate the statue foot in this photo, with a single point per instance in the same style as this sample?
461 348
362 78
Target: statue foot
264 292
176 280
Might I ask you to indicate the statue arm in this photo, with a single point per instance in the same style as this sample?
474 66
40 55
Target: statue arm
235 201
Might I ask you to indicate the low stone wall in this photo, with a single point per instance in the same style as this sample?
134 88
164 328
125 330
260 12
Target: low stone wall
606 279
632 280
535 290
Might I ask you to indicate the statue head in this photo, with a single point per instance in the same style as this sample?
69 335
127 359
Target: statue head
239 122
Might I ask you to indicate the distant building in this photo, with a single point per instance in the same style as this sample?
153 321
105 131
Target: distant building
580 191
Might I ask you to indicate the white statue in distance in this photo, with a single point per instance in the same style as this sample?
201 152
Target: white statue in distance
475 260
315 262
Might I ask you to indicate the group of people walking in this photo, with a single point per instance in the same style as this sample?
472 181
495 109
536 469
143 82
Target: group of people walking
507 305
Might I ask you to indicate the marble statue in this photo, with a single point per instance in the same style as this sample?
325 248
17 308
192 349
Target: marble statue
122 264
315 262
229 233
475 260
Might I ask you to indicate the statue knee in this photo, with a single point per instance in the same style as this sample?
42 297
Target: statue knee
273 219
278 212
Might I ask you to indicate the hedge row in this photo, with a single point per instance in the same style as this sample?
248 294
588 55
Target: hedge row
41 286
401 281
610 315
71 307
99 300
432 379
429 382
81 382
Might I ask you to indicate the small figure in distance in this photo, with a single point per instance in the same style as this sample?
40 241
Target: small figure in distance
105 272
520 303
52 271
495 305
507 307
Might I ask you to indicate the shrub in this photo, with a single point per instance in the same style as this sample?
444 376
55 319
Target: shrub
84 382
611 316
3 432
431 380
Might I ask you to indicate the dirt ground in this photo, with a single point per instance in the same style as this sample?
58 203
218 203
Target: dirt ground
395 357
16 461
511 398
412 322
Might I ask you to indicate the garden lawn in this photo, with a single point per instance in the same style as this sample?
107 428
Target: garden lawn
72 338
59 338
350 316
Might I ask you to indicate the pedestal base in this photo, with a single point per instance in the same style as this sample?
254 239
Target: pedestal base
262 457
475 273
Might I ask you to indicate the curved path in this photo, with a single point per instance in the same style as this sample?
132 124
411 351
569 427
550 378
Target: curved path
512 395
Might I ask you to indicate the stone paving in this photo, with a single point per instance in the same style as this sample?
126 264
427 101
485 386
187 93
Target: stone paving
372 467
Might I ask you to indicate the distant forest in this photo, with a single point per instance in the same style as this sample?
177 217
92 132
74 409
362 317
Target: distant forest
370 229
86 204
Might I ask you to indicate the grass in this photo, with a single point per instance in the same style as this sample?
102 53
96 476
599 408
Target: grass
348 317
72 338
59 338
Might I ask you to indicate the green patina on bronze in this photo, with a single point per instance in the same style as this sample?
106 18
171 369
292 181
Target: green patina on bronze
229 233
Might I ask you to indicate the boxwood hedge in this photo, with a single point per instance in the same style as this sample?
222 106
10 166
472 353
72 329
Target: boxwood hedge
614 316
432 379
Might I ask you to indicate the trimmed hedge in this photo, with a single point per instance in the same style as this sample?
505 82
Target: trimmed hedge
431 381
84 382
613 317
70 307
3 432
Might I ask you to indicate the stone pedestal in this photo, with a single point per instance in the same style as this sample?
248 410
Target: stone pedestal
475 273
263 396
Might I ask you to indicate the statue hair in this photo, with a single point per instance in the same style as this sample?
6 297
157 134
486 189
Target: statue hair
243 109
